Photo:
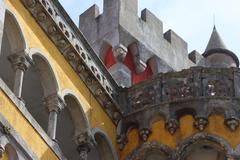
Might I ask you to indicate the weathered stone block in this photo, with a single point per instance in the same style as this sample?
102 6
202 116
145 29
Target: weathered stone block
121 74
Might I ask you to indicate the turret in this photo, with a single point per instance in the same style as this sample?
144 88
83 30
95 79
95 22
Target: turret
217 55
132 48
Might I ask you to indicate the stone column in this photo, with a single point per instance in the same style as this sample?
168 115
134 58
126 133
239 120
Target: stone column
54 105
20 63
84 142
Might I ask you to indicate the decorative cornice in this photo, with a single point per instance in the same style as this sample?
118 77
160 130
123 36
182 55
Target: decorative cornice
72 44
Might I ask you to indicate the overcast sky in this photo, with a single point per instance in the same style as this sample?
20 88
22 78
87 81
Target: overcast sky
191 19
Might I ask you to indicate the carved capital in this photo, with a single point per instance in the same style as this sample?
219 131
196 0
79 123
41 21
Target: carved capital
172 125
144 134
120 52
20 61
232 123
31 3
54 103
200 123
84 141
122 140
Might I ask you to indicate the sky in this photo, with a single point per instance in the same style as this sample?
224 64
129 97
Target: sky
193 20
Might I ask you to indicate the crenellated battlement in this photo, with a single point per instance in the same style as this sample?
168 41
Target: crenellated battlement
93 12
153 21
119 24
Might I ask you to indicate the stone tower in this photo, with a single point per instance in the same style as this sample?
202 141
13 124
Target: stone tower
186 106
118 88
132 48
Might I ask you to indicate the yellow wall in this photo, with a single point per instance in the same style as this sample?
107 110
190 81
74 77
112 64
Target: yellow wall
68 79
160 134
24 128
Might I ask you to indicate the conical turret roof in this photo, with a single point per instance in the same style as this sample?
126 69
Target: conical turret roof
217 46
215 41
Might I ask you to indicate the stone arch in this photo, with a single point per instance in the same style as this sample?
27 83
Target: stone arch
104 149
14 33
72 121
151 151
13 42
210 146
50 81
40 78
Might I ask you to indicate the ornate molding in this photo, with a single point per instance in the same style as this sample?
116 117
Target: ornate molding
71 43
182 148
143 151
54 103
20 61
84 142
200 123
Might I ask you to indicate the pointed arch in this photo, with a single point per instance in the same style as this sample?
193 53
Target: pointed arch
71 122
210 146
73 103
151 151
104 145
42 79
13 41
14 33
49 78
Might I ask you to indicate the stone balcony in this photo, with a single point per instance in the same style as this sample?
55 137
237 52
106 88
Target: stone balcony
187 85
200 92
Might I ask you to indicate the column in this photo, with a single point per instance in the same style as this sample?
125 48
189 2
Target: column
84 142
54 105
20 63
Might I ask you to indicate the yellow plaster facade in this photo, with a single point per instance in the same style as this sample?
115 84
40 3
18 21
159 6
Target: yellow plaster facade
161 135
67 78
24 128
69 81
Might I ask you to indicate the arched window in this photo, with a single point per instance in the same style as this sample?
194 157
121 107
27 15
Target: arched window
103 149
12 43
71 122
155 155
151 151
39 83
205 150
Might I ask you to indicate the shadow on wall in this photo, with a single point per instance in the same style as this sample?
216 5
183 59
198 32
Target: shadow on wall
12 42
